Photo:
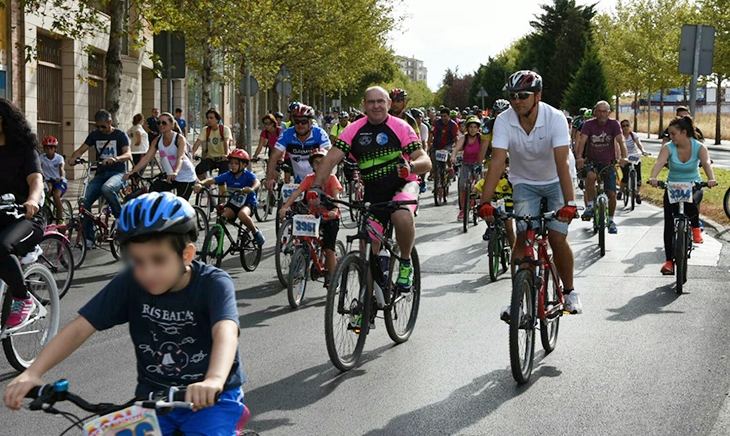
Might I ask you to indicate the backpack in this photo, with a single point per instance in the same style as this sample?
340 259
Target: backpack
207 136
439 131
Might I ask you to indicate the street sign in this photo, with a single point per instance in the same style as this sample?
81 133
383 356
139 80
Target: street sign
283 73
687 49
482 92
284 88
254 87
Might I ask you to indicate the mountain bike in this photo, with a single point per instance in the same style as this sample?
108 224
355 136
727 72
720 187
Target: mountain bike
284 248
631 190
536 296
22 343
136 417
499 251
441 178
49 208
206 197
57 257
356 187
308 259
681 193
364 283
600 207
219 242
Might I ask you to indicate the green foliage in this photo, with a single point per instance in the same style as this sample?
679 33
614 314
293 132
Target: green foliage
418 92
589 85
493 75
454 90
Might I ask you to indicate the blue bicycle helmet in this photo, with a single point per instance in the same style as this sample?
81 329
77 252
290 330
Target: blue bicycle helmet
154 213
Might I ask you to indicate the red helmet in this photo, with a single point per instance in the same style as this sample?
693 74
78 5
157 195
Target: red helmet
398 94
50 141
239 154
317 152
302 111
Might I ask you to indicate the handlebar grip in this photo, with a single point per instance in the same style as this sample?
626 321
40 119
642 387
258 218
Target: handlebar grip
179 395
38 391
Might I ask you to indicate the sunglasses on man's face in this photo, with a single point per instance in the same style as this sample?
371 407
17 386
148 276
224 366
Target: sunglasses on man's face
302 122
521 95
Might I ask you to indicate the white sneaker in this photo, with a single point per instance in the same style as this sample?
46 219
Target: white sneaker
572 304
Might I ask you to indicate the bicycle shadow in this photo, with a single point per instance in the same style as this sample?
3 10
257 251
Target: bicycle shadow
261 290
465 406
640 260
303 389
651 303
92 279
258 318
467 286
586 258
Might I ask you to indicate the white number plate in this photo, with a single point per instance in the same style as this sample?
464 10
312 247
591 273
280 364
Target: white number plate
287 191
442 155
306 225
680 192
132 421
238 199
634 159
499 205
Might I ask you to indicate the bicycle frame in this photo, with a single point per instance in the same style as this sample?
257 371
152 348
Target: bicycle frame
315 248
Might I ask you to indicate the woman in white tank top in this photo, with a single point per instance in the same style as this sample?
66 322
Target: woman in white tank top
174 159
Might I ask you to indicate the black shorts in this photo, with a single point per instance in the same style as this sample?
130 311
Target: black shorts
208 164
329 230
183 189
287 162
237 209
625 173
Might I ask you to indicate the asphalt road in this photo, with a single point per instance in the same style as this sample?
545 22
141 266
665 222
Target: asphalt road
639 360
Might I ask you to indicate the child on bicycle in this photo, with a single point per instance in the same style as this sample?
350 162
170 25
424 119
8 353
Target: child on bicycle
330 218
503 191
54 174
182 316
243 203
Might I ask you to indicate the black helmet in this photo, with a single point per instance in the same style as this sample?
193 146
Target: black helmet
416 113
278 115
524 80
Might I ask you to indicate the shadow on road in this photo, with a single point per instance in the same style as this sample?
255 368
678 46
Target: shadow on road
586 257
93 279
653 302
302 389
465 406
258 318
461 260
261 290
466 286
640 260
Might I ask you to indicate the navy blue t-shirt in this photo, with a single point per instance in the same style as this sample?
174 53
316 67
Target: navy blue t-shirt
245 180
117 140
171 333
182 123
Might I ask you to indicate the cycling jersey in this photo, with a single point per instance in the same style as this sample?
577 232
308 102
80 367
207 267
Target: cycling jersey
407 117
472 149
299 152
378 149
245 180
444 136
337 129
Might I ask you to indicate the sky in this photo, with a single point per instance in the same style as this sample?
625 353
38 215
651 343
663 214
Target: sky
444 35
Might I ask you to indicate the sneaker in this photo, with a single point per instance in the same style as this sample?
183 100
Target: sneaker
638 199
571 303
702 227
668 268
19 311
259 237
485 236
504 315
89 244
423 188
451 173
619 195
587 215
405 277
460 216
612 229
697 235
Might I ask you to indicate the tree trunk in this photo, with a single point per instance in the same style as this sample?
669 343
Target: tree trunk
718 117
114 57
661 112
618 107
241 140
206 76
636 110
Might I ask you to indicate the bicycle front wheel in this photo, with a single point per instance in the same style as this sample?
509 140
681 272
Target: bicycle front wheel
602 222
680 254
347 312
493 253
204 200
212 247
250 253
22 346
726 203
402 312
283 251
298 276
633 188
549 326
116 248
522 326
201 223
262 208
58 259
68 211
75 234
466 207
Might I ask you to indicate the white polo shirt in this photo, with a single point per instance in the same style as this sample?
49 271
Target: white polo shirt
531 157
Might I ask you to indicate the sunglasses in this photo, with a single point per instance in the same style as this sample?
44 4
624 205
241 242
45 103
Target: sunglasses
164 123
302 122
268 124
101 126
521 95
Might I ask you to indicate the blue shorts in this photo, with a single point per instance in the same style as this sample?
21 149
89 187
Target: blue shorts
527 202
608 174
61 186
226 418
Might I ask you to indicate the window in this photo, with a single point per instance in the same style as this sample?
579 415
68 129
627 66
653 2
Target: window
50 106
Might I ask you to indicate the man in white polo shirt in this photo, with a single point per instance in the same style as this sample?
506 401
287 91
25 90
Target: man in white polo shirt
538 142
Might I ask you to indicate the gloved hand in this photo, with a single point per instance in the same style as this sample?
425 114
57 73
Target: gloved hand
404 170
486 210
567 213
314 195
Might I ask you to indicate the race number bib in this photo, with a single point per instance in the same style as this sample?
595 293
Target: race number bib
132 421
306 225
680 192
499 205
635 159
238 199
442 155
287 191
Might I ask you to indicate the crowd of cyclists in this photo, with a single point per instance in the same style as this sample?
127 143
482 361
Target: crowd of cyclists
522 149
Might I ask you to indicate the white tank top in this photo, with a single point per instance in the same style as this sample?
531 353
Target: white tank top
168 158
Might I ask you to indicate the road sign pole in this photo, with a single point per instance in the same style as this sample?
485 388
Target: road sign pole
483 103
248 119
695 72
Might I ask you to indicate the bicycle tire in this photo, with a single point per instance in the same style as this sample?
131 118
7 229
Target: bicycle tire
680 254
466 208
201 223
602 226
298 276
399 331
277 218
75 234
203 200
262 207
633 187
38 278
726 203
283 251
68 211
506 254
250 253
340 250
521 355
549 327
352 266
493 253
114 246
57 257
437 185
626 192
212 251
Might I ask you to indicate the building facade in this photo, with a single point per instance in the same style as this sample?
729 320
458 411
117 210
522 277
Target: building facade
413 68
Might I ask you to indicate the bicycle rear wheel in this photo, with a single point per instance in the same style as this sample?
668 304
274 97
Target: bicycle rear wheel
22 347
68 211
212 248
346 316
493 252
633 187
401 314
298 276
283 251
75 234
58 259
726 203
203 199
602 211
262 208
201 223
680 254
549 327
250 253
522 327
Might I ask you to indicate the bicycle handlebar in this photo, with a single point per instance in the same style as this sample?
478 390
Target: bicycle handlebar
663 185
367 205
547 216
161 175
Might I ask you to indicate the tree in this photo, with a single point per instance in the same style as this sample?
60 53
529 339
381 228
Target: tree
418 92
717 13
589 85
454 90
